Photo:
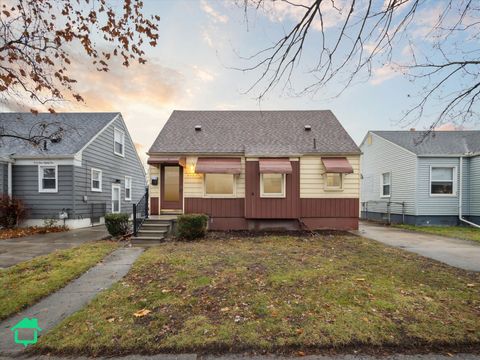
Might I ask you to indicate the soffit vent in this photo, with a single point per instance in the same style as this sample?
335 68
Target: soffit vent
198 127
308 127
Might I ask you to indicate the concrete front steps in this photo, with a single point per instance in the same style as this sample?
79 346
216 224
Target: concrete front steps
153 231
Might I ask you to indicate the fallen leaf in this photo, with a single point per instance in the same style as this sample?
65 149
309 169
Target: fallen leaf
299 331
224 309
360 279
110 320
141 313
470 285
300 353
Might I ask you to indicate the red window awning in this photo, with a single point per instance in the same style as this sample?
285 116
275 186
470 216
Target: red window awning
218 166
337 165
275 166
153 160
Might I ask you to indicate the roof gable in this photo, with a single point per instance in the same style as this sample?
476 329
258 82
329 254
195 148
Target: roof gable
79 129
261 133
435 143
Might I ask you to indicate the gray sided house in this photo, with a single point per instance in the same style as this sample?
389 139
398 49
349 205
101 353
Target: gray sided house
89 169
431 182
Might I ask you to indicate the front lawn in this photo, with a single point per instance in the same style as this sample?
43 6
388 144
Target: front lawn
459 232
25 283
276 294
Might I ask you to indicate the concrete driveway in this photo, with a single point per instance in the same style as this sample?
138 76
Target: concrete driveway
13 251
454 252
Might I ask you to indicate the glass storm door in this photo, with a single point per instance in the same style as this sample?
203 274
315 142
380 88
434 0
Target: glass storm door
116 203
172 187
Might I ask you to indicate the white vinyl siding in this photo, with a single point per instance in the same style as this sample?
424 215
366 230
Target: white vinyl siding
313 180
382 156
428 204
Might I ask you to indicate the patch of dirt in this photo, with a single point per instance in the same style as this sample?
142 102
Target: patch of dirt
233 234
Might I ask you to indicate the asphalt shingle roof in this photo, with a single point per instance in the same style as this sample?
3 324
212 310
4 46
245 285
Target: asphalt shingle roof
79 128
263 133
435 143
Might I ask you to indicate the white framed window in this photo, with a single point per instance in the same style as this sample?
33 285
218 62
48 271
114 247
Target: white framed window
116 202
272 185
118 142
333 181
96 182
128 188
443 180
48 178
220 185
385 185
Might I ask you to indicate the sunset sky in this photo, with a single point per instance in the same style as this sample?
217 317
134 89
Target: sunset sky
192 67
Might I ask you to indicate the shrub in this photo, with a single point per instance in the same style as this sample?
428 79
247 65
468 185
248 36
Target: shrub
192 226
12 211
117 224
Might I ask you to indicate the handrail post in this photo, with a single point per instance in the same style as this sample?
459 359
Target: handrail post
146 203
134 219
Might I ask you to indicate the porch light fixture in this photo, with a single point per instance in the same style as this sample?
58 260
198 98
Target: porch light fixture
117 181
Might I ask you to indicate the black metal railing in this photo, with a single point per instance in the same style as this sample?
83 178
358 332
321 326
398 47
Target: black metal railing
97 211
385 208
140 212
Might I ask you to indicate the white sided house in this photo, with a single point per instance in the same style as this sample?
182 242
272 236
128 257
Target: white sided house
421 178
88 169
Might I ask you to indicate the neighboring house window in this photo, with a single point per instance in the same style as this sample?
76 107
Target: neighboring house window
47 178
118 142
96 180
386 184
333 181
116 206
219 184
128 188
442 181
272 185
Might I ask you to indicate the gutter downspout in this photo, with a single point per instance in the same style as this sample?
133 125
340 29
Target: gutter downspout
460 200
9 179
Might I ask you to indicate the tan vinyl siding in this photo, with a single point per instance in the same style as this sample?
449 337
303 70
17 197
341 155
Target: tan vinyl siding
312 182
153 191
193 186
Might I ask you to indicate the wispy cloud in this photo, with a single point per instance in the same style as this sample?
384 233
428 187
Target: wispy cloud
214 14
384 73
203 74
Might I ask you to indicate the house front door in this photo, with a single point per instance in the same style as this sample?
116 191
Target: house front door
171 187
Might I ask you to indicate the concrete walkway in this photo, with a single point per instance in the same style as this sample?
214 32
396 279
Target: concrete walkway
71 298
454 252
13 251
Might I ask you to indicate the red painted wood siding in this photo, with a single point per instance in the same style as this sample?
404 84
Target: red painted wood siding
154 205
329 208
257 207
223 208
